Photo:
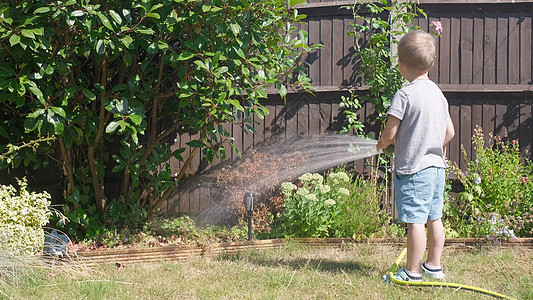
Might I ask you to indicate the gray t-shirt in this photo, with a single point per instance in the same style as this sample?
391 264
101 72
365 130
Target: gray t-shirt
419 142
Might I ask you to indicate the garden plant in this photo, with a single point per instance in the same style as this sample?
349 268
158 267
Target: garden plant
22 217
377 28
100 87
496 201
337 205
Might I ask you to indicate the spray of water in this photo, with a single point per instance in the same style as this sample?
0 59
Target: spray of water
272 163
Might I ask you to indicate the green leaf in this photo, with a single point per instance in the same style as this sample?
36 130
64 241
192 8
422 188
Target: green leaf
59 127
36 91
162 45
90 95
127 40
58 111
41 10
282 91
77 13
144 30
236 103
14 39
105 21
196 144
100 47
185 55
153 15
235 28
115 16
136 119
111 127
201 64
293 3
241 53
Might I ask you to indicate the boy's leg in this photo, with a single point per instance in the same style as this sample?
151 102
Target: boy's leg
435 242
416 247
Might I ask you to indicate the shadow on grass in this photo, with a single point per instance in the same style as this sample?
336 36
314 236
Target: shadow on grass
297 263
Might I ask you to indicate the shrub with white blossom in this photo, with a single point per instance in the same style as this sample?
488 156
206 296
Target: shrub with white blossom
22 217
339 205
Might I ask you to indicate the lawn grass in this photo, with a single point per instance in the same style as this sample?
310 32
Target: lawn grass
294 271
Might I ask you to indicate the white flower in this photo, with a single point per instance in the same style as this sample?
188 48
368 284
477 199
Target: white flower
477 178
330 202
324 188
339 177
311 178
287 188
344 191
311 197
302 192
305 177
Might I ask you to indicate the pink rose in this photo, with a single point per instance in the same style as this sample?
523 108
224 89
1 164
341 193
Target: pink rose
436 27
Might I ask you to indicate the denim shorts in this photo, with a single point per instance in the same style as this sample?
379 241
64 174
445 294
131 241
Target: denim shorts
419 196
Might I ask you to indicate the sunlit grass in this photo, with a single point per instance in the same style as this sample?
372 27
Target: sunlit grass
292 272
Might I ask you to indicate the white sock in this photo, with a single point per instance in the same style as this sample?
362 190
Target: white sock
413 274
432 267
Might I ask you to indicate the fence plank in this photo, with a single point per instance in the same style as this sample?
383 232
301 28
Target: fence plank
513 116
236 133
325 115
478 49
477 117
489 53
313 58
424 25
315 118
502 42
326 52
513 65
302 114
455 143
526 66
349 58
270 121
337 50
500 127
455 45
444 57
489 119
466 53
465 129
526 127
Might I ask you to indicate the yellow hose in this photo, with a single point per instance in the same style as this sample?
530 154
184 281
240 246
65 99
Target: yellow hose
394 267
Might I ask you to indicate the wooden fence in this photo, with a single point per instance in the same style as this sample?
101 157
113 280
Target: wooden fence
484 68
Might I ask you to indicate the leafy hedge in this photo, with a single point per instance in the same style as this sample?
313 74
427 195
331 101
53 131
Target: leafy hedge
116 83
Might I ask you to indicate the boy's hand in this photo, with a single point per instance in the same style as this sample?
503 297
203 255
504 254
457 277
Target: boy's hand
379 145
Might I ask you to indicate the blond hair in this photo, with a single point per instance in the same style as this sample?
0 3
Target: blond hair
417 50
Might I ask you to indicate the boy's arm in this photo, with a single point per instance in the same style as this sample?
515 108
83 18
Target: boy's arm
389 133
450 132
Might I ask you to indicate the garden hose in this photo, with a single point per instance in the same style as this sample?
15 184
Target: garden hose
435 284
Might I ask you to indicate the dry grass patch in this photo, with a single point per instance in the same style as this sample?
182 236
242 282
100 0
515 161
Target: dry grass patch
294 271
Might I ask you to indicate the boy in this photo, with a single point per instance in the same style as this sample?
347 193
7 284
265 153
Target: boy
419 125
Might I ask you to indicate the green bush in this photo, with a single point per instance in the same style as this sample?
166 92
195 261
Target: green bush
117 83
338 206
496 201
22 217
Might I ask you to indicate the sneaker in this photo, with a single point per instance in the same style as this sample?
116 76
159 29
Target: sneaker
402 276
433 273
